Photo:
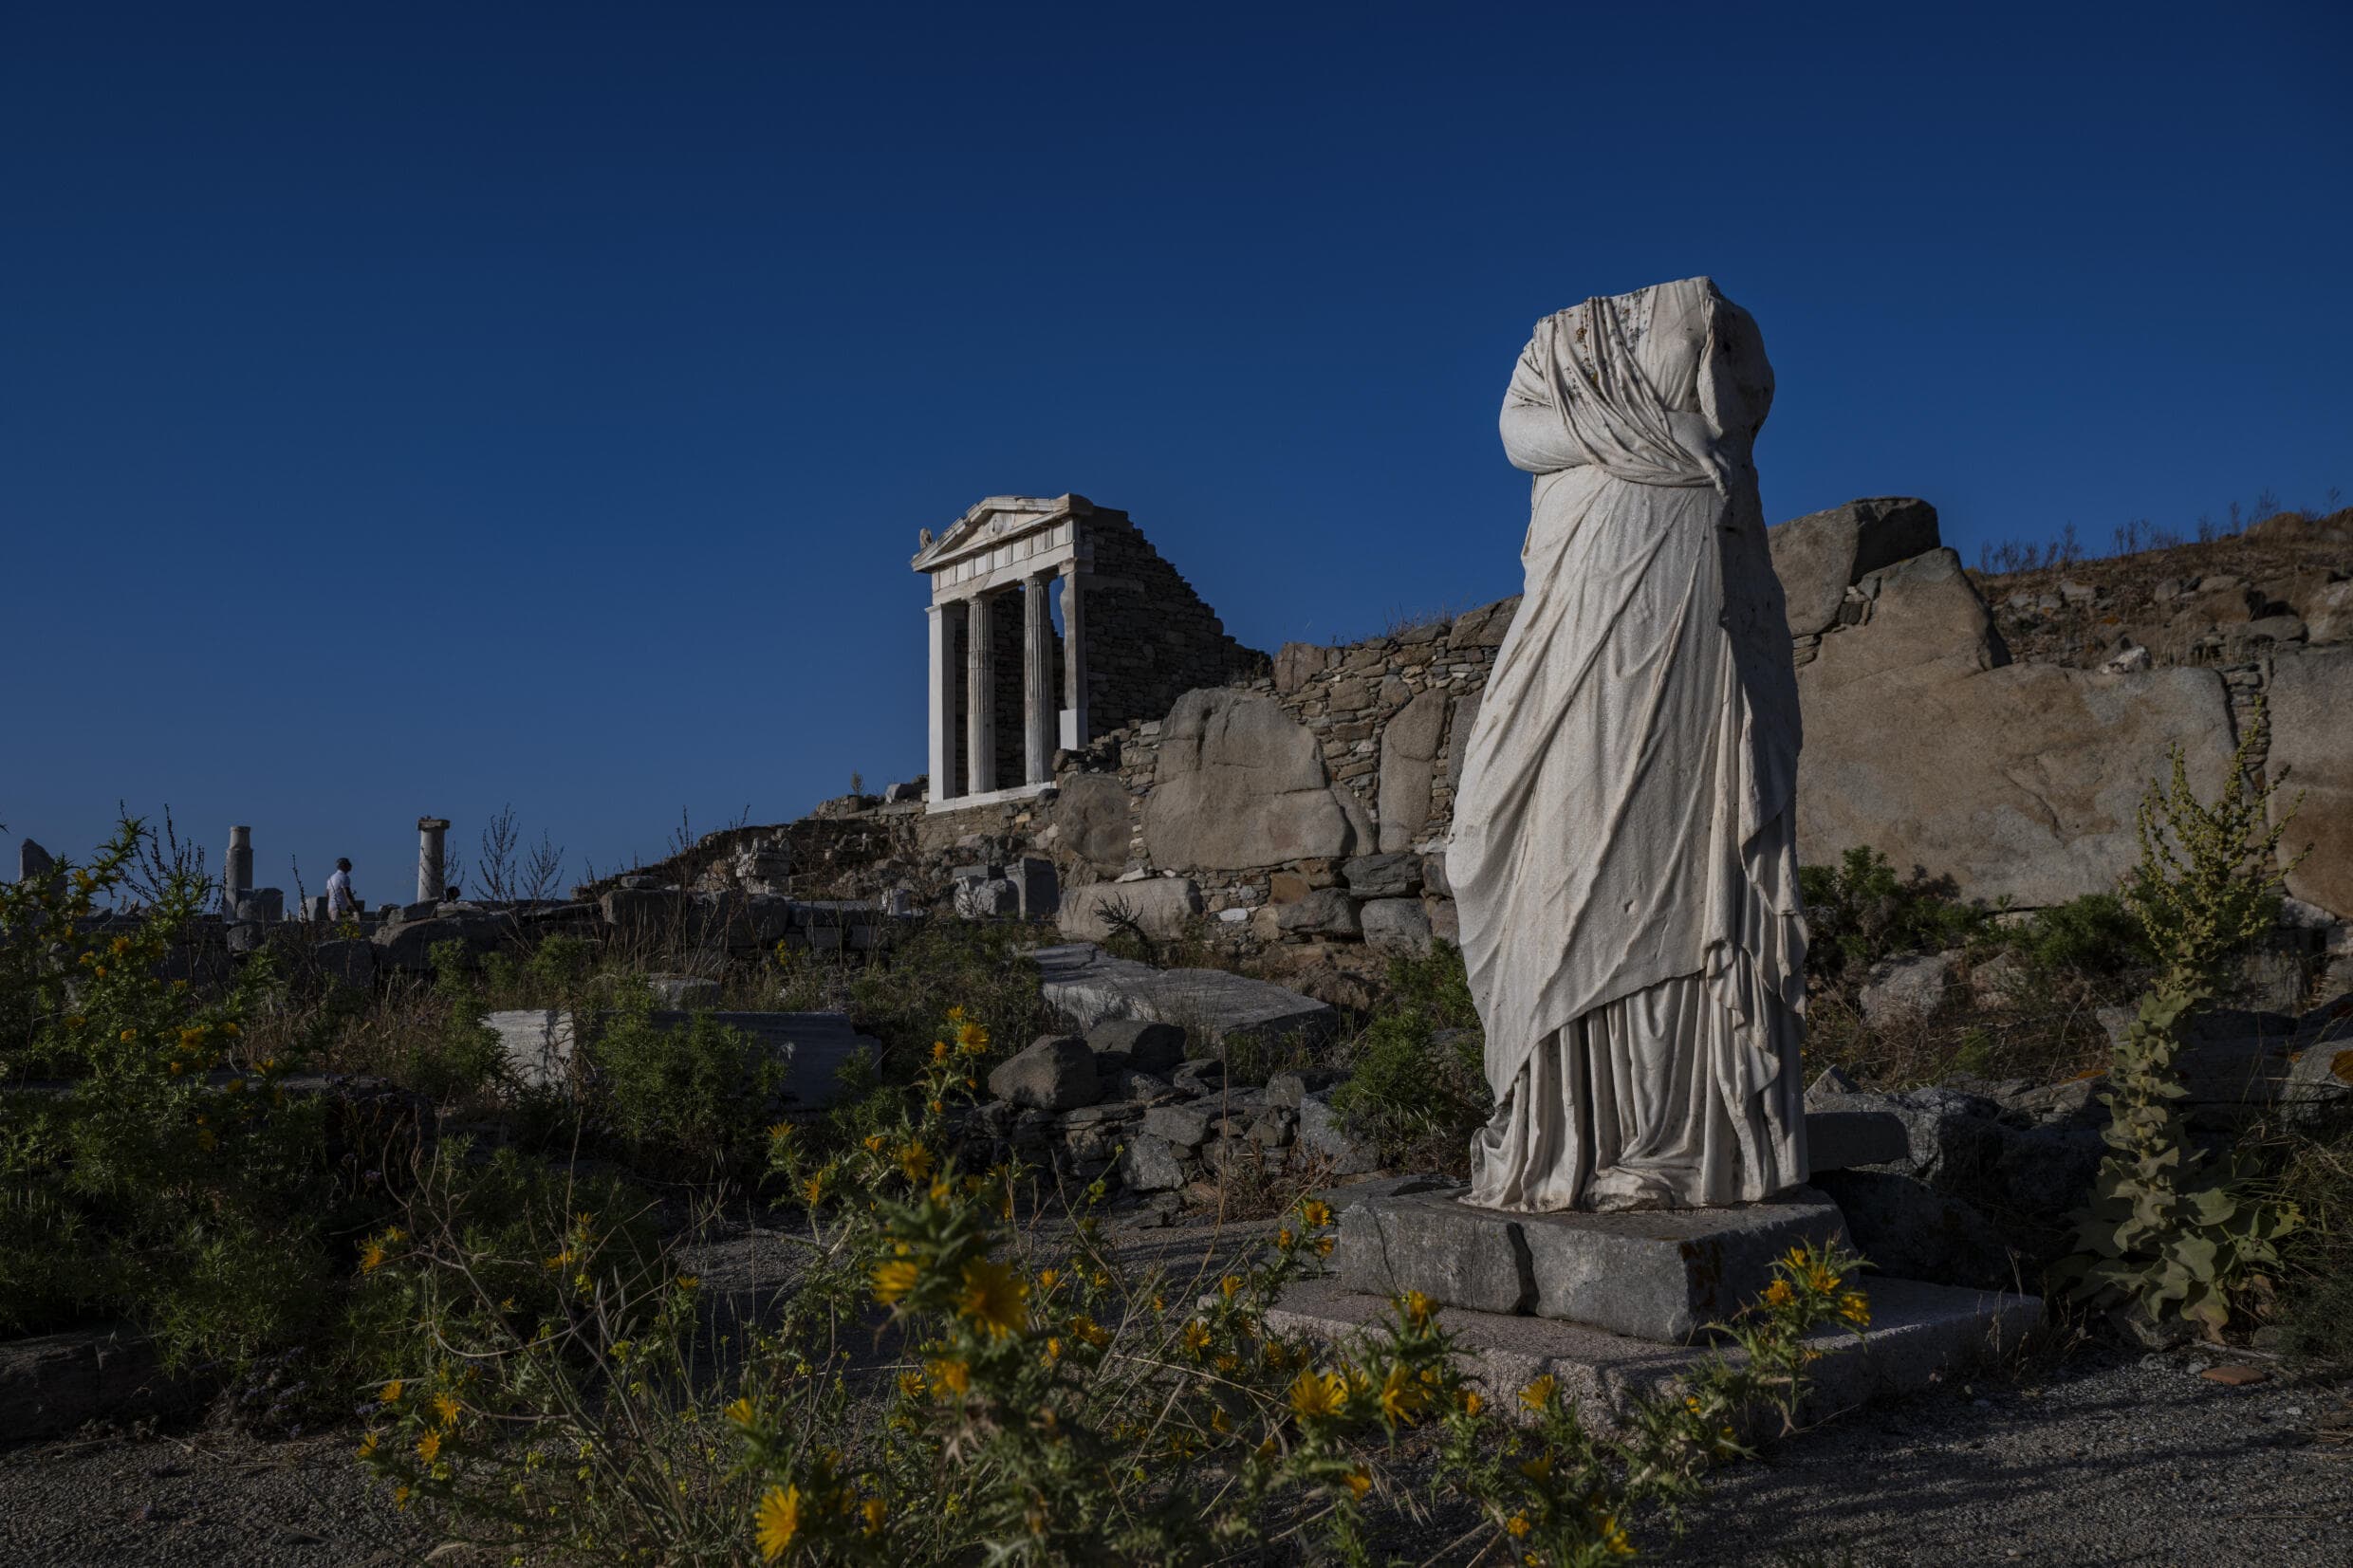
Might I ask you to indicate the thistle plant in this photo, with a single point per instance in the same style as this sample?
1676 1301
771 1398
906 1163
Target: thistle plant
2160 1233
936 1382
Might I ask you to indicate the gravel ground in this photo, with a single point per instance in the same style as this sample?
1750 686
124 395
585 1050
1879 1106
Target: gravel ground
2112 1459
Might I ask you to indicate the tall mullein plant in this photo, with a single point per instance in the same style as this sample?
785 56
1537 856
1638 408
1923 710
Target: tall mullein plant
2161 1233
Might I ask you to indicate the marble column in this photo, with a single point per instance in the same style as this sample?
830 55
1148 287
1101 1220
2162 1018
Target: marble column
945 620
238 868
980 699
1074 735
428 883
1037 697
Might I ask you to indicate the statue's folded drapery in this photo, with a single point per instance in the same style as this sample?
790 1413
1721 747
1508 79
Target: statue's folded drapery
1622 851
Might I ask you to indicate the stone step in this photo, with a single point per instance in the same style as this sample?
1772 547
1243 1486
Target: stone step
1918 1331
1659 1274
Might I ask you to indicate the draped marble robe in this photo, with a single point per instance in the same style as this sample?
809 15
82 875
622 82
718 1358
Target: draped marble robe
1623 855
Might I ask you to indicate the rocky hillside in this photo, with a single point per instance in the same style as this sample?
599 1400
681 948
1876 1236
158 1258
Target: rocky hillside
2286 580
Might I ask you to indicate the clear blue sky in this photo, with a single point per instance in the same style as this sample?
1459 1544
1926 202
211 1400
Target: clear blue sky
412 408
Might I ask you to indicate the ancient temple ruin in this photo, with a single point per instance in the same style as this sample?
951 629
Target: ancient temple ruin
1128 635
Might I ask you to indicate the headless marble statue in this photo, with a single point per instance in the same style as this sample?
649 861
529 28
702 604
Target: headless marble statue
1624 852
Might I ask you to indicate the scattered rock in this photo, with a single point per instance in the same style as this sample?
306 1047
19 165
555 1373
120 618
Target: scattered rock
1136 1043
1052 1073
1905 990
1396 926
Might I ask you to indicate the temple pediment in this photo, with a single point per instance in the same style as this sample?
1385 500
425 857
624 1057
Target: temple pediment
995 522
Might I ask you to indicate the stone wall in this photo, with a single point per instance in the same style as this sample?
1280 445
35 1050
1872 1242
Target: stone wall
1924 739
1149 637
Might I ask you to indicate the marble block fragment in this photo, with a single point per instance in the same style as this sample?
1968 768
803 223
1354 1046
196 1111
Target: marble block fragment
1659 1275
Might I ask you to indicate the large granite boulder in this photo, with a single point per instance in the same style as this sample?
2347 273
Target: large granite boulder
2311 712
1241 785
2014 779
1818 556
1161 905
1409 752
1090 819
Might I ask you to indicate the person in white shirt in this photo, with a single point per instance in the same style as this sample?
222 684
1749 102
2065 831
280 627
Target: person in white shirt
339 903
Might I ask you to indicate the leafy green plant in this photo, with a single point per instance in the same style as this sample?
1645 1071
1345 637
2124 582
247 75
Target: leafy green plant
1417 1073
2094 934
153 1166
2160 1234
942 1386
1859 912
688 1096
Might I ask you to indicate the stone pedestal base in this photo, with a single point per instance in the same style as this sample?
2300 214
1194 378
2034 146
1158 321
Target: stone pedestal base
1657 1275
1916 1331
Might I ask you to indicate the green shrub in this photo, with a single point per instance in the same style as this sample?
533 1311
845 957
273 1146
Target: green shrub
163 1174
695 1097
1859 912
1408 1091
2094 934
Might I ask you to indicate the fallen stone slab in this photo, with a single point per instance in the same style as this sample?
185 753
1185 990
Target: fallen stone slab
1210 1006
1917 1331
540 1045
57 1381
1661 1275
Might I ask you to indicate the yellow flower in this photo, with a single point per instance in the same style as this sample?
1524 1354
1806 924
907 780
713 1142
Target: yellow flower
1229 1286
1612 1536
876 1143
954 1376
916 1161
229 1028
447 1409
955 1014
690 1282
894 1279
875 1509
1195 1336
1516 1525
1778 1294
129 1035
911 1385
372 1256
1323 1246
391 1395
1856 1309
1316 1211
1228 1364
429 1446
1472 1402
814 1189
972 1038
1090 1331
780 1520
120 945
939 1050
992 1297
1053 1350
1539 1393
1821 1279
1314 1395
1047 1280
742 1413
98 969
399 1498
367 1446
1417 1308
1538 1468
1399 1395
1283 1240
1359 1484
779 1130
175 1069
1219 1421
